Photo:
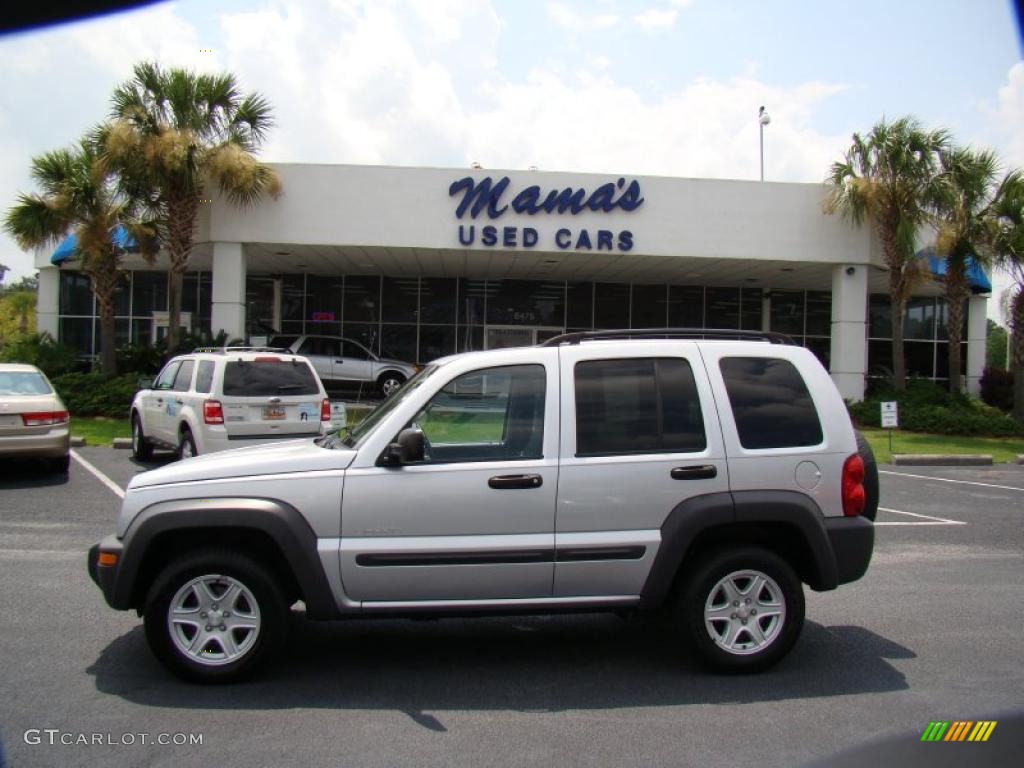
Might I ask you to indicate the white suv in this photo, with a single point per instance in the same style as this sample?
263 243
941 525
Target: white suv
216 399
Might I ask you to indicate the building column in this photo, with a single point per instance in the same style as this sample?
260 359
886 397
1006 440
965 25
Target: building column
977 341
849 329
48 302
228 311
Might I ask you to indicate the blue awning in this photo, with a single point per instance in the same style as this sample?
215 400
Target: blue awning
977 280
68 249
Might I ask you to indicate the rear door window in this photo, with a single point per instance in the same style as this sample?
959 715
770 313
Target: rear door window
637 405
204 378
770 403
269 378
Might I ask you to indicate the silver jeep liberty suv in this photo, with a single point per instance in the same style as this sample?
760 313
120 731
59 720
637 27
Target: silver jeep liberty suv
707 474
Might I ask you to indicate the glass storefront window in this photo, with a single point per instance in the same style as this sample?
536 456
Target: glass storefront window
579 309
362 298
400 299
293 299
649 306
471 338
819 313
259 304
525 302
611 305
323 303
436 341
788 312
879 317
752 309
75 294
723 310
919 322
398 342
77 332
367 334
472 298
686 306
438 297
149 293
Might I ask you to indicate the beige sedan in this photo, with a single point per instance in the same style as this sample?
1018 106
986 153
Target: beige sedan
33 420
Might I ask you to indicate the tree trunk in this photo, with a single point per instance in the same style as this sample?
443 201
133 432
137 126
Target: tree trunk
898 308
181 219
1017 362
104 285
956 295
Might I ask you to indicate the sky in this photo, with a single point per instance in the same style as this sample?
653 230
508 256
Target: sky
659 87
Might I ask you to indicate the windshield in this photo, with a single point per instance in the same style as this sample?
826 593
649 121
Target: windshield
23 383
357 434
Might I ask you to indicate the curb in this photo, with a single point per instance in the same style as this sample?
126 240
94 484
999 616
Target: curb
77 442
1020 459
121 442
940 460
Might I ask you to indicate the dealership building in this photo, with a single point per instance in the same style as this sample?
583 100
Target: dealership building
424 262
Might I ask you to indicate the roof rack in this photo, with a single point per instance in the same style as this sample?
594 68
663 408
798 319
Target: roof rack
771 337
226 350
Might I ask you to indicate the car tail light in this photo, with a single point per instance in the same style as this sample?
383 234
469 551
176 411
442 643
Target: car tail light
268 360
853 486
325 410
44 418
212 412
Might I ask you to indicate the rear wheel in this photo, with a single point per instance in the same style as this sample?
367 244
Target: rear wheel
215 616
186 444
61 464
141 447
390 383
741 609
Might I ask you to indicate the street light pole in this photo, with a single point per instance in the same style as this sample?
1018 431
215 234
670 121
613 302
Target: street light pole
762 121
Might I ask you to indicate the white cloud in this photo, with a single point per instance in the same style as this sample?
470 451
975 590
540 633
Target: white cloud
573 21
654 19
1008 120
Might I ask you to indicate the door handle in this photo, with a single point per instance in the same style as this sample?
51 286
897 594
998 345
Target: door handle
339 362
180 402
700 472
160 400
500 482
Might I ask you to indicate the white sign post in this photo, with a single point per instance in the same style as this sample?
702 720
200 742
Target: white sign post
890 419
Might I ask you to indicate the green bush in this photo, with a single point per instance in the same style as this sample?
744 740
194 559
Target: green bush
40 350
997 388
89 394
928 407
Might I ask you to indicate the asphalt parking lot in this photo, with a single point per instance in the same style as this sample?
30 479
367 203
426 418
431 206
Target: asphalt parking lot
933 632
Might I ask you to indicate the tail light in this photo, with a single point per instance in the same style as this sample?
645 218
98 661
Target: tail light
44 419
853 486
325 410
212 412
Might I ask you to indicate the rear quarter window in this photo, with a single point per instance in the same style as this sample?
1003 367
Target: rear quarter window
770 403
263 378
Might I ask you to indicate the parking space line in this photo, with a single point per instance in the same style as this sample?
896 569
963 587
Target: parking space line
949 480
926 519
98 475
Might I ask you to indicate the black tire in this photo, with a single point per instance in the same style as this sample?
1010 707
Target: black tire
701 585
62 464
871 493
142 449
186 444
389 382
228 567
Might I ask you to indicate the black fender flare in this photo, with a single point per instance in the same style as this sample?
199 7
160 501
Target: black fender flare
698 514
284 524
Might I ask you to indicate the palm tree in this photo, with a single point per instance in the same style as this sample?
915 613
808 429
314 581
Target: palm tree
967 181
79 197
173 131
888 178
1006 223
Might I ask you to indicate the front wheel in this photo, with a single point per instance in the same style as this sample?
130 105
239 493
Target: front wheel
741 609
142 450
215 616
390 383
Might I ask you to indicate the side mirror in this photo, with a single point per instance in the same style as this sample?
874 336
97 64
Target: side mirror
145 382
408 447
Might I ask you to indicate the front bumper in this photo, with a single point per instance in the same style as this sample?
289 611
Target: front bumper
105 576
853 542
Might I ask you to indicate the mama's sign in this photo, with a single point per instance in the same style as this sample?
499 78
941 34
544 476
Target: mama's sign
487 198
